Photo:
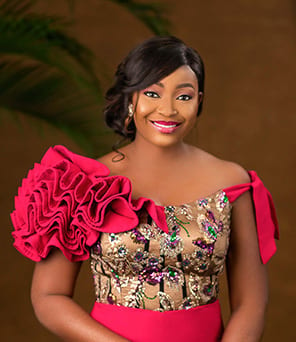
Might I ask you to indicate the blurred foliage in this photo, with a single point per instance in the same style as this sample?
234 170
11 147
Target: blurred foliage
151 14
47 74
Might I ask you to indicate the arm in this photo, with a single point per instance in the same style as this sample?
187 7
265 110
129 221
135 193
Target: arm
51 294
247 276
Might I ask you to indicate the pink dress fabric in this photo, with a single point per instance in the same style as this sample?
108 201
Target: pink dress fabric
67 200
202 323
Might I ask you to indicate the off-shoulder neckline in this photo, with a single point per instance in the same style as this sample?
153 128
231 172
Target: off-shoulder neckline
127 179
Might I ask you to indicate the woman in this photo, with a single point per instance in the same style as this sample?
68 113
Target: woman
157 218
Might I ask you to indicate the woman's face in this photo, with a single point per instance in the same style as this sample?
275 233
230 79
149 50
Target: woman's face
166 111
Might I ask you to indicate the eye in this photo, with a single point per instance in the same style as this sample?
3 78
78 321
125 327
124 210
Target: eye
151 94
184 97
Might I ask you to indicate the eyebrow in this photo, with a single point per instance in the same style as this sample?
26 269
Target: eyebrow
182 85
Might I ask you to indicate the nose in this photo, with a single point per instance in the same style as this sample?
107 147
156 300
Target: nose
166 106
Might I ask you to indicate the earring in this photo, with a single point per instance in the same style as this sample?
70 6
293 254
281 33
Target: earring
130 110
129 118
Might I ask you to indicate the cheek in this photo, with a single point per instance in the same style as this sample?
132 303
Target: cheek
191 121
189 110
144 107
194 107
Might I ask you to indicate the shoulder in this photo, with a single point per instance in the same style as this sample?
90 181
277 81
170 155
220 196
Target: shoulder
223 172
233 172
108 160
116 161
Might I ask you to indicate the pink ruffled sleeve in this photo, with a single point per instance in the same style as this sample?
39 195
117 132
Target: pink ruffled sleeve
67 199
265 214
44 209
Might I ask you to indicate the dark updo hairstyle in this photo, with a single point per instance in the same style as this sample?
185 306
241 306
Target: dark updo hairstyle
145 65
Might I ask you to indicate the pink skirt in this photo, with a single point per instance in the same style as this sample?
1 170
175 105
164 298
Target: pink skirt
202 323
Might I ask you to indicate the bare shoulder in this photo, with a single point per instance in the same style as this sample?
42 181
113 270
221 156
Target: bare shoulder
113 161
233 172
224 173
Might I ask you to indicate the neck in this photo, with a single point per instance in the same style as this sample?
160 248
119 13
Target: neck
150 156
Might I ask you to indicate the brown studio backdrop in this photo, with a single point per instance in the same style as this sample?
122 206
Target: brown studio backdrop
249 117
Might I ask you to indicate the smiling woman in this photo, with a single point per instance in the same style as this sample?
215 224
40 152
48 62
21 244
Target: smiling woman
148 66
158 223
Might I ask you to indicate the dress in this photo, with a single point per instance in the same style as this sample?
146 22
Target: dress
155 268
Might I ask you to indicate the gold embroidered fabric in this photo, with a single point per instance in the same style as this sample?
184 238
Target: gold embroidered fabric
150 269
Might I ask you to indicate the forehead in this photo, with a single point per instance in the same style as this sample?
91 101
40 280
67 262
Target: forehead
184 74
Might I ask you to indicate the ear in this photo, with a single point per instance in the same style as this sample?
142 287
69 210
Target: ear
200 97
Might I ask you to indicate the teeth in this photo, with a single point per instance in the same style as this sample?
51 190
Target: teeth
163 126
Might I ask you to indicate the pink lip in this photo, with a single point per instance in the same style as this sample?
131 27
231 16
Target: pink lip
166 130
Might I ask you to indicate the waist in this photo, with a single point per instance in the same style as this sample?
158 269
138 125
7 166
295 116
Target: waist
202 323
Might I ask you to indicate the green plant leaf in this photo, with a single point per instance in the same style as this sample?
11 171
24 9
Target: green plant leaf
46 74
41 38
39 92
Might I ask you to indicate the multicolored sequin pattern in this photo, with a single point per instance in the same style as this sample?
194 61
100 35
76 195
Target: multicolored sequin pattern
150 269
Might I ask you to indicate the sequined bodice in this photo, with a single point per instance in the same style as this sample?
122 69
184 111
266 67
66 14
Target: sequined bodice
150 269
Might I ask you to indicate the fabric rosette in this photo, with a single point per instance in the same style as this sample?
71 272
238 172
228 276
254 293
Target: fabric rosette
106 206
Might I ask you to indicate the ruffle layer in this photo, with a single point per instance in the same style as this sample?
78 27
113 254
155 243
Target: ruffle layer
67 200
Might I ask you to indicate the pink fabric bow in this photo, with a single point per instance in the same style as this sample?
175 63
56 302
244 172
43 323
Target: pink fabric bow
266 220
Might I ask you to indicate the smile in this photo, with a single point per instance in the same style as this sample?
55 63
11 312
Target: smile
166 126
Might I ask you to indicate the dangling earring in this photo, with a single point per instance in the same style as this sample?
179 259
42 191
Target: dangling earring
130 110
129 118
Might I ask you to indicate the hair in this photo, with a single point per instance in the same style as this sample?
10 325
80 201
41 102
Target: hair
146 64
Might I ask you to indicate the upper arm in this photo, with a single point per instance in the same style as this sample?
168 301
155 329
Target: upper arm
54 275
247 275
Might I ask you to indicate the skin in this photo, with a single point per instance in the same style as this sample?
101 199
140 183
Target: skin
158 166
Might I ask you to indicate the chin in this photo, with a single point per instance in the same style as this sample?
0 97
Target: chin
165 141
